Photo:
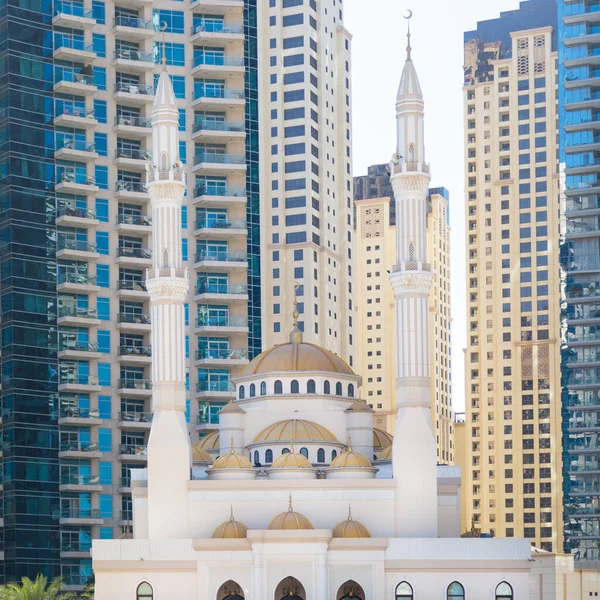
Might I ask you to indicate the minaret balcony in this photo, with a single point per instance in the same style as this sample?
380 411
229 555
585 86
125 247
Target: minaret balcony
80 417
74 351
218 325
71 182
71 216
403 167
133 61
73 48
135 355
207 163
71 315
216 390
79 450
80 483
211 33
72 15
135 387
131 191
136 420
76 250
135 257
134 224
132 28
221 292
218 131
133 322
132 159
218 229
133 453
219 99
221 357
218 66
218 261
76 282
133 94
133 127
132 289
220 196
79 516
414 265
219 7
76 84
77 118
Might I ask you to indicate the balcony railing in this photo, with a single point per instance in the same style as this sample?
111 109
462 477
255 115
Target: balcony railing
207 418
135 417
218 61
218 255
136 55
66 479
79 413
78 513
125 482
135 351
75 111
136 286
80 145
78 278
220 191
221 288
126 515
124 21
135 384
75 547
220 224
214 386
133 153
78 245
133 450
218 93
78 447
220 159
134 220
75 347
74 9
72 42
134 88
222 353
71 77
79 579
127 121
583 203
216 27
136 318
71 211
67 176
221 321
134 252
210 125
81 313
131 186
78 379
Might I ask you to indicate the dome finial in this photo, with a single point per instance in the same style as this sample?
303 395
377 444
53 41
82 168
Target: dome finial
231 513
349 443
290 507
349 512
163 27
231 447
408 16
296 335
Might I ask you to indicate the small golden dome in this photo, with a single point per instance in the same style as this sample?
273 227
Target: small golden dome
210 442
385 454
231 529
291 460
290 520
232 407
360 406
381 439
295 429
350 528
232 460
201 455
351 458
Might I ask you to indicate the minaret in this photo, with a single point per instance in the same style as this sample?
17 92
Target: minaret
169 449
414 450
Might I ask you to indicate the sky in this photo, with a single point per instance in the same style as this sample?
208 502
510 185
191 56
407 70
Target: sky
378 54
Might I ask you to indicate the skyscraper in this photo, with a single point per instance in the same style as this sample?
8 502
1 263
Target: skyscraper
512 478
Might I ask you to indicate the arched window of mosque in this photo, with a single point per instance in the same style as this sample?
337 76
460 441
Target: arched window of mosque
456 591
404 591
256 458
252 390
338 389
144 591
411 153
278 387
242 392
295 387
350 390
333 454
285 451
321 455
327 388
304 452
311 387
504 591
269 456
263 388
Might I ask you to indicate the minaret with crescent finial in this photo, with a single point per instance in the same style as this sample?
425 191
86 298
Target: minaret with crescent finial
414 451
169 448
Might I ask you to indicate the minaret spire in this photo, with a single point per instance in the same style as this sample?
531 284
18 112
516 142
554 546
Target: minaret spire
414 451
408 17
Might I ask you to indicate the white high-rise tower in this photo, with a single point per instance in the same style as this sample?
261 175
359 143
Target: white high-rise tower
414 452
169 449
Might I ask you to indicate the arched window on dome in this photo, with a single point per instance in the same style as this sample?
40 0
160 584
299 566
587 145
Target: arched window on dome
350 390
256 458
327 388
455 591
404 591
311 387
144 591
338 389
321 455
242 392
504 591
269 456
333 455
304 452
252 390
278 387
295 387
263 388
285 451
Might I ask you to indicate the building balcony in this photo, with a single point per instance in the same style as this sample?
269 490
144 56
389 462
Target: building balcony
132 29
74 582
134 224
71 315
85 417
218 34
218 229
76 250
88 351
133 322
218 131
219 197
79 516
79 450
220 261
72 15
218 325
125 518
132 192
76 282
221 292
134 3
135 420
85 384
77 118
76 84
135 257
80 483
207 163
73 48
125 485
75 217
217 66
132 289
133 61
133 453
75 150
75 550
133 127
207 422
135 355
219 99
133 94
219 7
70 182
135 387
221 357
216 390
576 13
132 160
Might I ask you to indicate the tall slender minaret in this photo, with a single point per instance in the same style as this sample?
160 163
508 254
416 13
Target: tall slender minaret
414 451
169 448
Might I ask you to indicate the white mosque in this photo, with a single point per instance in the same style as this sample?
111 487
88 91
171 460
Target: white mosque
298 496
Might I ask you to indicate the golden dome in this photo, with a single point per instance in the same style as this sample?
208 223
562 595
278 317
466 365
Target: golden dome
231 529
350 528
290 520
297 430
385 454
199 454
232 460
360 406
381 439
210 442
351 458
291 460
294 356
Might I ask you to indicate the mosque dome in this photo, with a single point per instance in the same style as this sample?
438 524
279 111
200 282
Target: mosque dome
351 458
290 520
199 454
381 439
350 528
210 442
231 529
232 460
290 460
385 454
360 406
298 430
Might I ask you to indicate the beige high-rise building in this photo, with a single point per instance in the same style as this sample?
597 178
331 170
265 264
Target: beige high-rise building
512 461
375 318
306 172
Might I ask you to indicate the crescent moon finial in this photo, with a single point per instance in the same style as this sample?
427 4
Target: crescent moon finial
163 26
408 16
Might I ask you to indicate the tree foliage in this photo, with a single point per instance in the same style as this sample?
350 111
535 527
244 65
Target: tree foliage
39 589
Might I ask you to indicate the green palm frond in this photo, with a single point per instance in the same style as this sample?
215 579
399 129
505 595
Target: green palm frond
39 589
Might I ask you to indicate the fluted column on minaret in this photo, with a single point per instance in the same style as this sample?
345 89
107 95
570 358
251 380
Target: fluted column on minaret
414 450
169 449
